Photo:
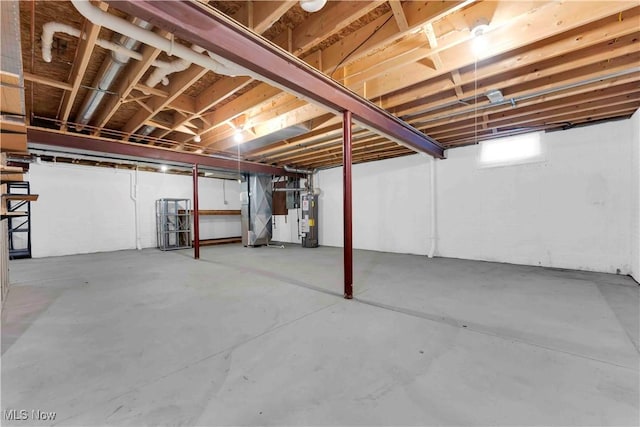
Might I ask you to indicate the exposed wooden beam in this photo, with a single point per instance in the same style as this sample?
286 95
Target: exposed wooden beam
134 72
299 40
457 52
457 83
267 13
519 117
351 47
177 86
433 44
399 15
392 81
85 49
47 81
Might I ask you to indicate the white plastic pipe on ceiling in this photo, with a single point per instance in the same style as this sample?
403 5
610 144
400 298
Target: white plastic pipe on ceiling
110 70
163 68
211 62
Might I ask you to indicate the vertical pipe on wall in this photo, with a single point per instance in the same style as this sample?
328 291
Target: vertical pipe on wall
196 215
432 185
136 208
346 173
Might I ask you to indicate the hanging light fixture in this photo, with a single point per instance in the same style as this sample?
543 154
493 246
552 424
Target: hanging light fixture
237 137
312 5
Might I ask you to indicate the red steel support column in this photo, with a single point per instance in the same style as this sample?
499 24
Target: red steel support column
346 174
196 215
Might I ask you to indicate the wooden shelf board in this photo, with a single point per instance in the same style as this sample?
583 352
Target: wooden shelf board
222 241
13 142
12 177
214 212
15 213
27 197
10 169
12 126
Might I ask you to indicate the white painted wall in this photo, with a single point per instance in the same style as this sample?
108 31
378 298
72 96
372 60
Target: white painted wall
285 228
89 209
578 209
390 205
635 196
571 211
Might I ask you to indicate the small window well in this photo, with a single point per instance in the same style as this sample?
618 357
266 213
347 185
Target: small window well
512 150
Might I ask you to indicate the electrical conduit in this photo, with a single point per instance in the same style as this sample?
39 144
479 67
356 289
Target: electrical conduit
136 206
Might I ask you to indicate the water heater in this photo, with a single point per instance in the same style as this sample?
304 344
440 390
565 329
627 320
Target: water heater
309 221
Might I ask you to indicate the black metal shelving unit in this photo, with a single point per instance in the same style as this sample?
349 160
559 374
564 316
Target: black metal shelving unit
19 221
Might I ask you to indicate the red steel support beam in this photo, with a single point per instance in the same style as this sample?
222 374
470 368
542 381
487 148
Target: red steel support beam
106 146
196 215
346 175
221 35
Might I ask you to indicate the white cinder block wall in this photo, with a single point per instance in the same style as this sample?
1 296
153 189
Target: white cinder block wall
635 196
88 209
572 210
580 208
390 205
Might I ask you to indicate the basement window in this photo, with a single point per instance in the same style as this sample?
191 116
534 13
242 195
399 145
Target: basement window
512 150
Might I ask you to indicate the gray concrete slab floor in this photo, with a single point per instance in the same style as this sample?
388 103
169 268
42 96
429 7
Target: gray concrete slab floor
262 336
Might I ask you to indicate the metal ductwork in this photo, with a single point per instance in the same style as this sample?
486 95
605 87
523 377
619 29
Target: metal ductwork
110 70
307 172
256 211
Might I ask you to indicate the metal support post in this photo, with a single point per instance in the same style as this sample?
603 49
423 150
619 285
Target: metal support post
196 215
346 168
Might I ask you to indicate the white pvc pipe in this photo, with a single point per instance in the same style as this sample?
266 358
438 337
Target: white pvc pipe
160 74
50 28
432 185
136 207
212 62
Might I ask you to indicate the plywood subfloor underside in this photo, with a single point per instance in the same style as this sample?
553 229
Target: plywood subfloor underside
261 336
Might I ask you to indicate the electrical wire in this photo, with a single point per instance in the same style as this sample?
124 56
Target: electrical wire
475 97
360 45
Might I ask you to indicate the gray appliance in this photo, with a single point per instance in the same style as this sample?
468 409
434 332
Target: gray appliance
309 221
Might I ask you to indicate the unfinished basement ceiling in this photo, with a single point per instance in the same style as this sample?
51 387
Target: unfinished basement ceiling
544 66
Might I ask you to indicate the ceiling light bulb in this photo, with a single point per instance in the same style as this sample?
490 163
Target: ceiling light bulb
479 46
479 42
312 5
164 168
238 137
197 138
480 27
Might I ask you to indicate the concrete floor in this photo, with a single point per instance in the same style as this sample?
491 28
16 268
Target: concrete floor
261 336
